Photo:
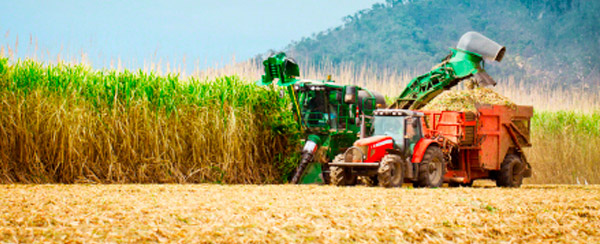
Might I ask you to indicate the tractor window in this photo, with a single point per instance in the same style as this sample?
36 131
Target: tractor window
390 126
413 132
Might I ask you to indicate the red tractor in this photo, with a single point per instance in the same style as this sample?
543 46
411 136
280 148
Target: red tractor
429 148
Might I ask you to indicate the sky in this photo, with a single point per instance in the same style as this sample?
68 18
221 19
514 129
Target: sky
198 33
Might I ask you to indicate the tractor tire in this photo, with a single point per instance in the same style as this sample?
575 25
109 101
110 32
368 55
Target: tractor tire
511 172
341 176
390 172
369 180
432 168
325 173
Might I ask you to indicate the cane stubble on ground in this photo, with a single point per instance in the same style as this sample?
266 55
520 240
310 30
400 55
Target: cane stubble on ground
296 214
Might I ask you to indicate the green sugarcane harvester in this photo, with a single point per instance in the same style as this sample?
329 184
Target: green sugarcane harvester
327 113
330 114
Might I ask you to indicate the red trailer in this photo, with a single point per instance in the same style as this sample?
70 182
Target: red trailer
478 143
432 147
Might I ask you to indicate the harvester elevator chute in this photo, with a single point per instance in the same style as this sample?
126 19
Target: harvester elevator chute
465 62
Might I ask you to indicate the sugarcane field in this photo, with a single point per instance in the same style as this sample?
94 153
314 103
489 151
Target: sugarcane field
355 121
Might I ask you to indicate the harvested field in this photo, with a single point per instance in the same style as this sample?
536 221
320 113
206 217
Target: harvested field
296 214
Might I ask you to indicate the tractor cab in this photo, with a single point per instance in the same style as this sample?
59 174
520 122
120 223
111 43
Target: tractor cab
404 129
397 130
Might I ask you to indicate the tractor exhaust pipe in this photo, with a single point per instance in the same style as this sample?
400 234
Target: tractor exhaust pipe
477 43
363 127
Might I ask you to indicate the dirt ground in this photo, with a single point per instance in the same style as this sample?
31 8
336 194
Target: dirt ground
296 214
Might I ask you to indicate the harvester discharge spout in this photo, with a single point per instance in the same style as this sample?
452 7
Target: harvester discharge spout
465 62
479 44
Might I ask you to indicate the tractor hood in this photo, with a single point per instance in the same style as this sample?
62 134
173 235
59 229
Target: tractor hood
373 140
373 149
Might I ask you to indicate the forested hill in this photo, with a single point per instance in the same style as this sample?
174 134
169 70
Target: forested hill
545 39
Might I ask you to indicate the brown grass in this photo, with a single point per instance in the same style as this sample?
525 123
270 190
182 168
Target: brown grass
296 214
565 157
565 147
48 139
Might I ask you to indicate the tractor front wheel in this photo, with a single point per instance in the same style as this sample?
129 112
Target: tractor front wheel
341 176
369 180
511 172
432 168
325 173
390 172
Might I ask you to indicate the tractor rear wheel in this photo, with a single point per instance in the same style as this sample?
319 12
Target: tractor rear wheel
390 172
511 172
432 168
341 176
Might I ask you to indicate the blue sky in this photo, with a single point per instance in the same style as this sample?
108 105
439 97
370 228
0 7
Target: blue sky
204 32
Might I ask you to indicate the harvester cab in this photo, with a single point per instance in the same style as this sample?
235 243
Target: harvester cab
327 113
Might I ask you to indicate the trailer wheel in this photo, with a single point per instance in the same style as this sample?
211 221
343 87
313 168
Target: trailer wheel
432 168
390 172
511 172
341 176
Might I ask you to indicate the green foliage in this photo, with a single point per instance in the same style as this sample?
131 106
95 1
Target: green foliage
545 40
225 130
107 88
569 122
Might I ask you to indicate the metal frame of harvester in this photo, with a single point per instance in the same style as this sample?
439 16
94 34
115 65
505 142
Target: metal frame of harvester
327 113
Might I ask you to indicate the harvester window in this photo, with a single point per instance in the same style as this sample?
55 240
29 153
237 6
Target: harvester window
333 116
316 102
315 109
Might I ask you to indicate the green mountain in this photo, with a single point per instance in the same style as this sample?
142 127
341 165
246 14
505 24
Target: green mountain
552 41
